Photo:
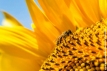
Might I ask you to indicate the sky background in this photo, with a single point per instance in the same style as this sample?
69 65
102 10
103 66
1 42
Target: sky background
18 9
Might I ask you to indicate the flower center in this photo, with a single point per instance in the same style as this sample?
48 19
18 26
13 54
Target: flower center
82 50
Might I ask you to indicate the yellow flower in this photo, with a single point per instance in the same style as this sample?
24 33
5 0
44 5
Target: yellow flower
25 50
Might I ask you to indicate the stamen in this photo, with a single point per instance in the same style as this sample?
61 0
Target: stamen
82 50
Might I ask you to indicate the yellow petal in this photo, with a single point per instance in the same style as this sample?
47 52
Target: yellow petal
103 8
71 15
46 32
9 20
33 26
45 43
0 61
85 12
79 12
89 8
56 11
19 41
13 63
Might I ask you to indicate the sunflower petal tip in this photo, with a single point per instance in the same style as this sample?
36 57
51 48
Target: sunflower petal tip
9 20
33 26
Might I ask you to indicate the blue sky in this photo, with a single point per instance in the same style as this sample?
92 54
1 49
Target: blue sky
18 9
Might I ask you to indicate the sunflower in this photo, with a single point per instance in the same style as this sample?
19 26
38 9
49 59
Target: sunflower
76 49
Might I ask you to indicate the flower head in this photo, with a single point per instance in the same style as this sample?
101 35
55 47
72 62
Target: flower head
25 50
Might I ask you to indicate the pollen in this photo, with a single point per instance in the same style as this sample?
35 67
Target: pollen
83 50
